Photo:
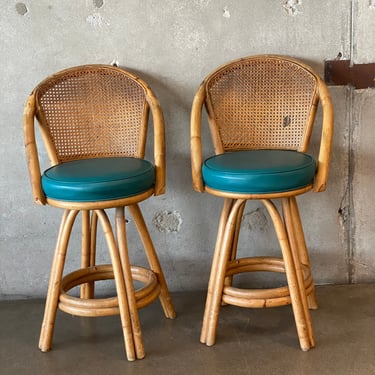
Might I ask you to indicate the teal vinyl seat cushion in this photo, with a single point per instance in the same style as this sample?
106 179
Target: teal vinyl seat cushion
98 179
259 171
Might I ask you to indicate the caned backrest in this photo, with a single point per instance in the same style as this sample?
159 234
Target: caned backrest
92 111
261 102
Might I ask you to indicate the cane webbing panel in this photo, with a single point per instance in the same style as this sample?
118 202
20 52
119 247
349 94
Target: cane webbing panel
261 103
92 112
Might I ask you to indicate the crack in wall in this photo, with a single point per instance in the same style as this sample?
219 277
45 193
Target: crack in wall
351 220
352 124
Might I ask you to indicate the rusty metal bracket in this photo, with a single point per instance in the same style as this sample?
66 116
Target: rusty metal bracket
340 73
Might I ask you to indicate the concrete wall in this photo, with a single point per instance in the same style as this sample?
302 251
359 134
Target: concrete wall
173 45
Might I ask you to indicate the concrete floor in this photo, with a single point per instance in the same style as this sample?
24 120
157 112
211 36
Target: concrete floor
248 342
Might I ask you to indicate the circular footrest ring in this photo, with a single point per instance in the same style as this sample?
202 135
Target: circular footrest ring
105 306
260 298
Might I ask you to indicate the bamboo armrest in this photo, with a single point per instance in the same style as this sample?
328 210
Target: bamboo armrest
32 151
159 143
195 140
326 139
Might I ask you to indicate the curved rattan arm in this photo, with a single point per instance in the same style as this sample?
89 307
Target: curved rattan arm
32 151
159 142
195 140
326 138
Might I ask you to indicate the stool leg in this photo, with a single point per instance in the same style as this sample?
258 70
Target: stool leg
289 224
153 260
302 319
89 231
228 203
302 248
45 340
120 285
93 233
217 282
126 269
229 279
87 288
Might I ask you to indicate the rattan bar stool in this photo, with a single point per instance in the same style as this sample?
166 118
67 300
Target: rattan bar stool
261 111
93 120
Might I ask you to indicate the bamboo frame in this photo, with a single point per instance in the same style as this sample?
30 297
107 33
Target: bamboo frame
128 301
294 260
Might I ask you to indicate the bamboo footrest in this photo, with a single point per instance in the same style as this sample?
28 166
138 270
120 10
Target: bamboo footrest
92 307
260 298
